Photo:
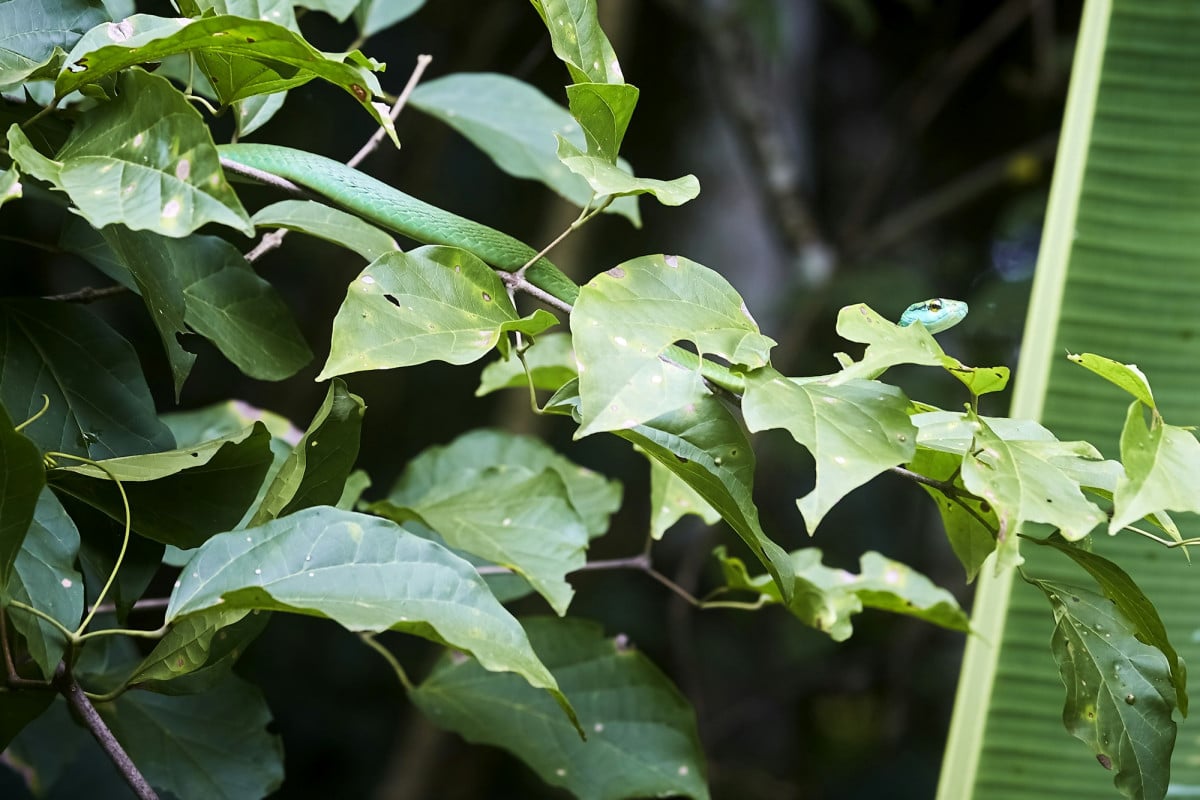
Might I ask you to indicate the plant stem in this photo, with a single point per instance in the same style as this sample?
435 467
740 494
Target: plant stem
370 641
74 694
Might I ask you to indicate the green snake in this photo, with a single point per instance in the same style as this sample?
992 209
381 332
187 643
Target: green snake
388 207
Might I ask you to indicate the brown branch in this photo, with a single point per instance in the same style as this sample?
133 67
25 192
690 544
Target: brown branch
74 694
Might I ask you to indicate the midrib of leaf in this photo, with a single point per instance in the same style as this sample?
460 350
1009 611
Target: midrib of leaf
1121 292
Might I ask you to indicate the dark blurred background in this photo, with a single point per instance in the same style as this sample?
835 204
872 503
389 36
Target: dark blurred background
848 151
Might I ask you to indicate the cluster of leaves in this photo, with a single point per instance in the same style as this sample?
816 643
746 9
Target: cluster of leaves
100 493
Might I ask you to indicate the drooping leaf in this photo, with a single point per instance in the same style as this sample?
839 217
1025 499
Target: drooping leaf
316 469
1125 376
22 476
642 739
431 304
366 574
550 360
579 41
1162 464
100 405
328 223
284 58
145 160
704 445
626 318
1133 605
515 124
611 179
179 497
855 430
199 651
671 498
826 598
44 576
212 745
38 33
1119 692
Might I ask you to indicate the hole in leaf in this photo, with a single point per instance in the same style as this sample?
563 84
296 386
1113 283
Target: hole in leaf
391 299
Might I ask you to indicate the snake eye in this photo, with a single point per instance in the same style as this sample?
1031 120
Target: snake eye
934 305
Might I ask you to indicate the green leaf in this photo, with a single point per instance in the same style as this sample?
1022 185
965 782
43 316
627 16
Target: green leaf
855 430
179 497
1119 693
515 125
1124 376
285 60
44 576
1029 482
10 185
22 476
642 732
198 652
970 523
100 405
366 574
478 452
1161 462
611 179
826 598
549 359
212 745
145 160
316 469
431 304
704 445
626 318
889 344
671 498
579 41
328 223
36 32
373 16
1133 604
338 9
603 111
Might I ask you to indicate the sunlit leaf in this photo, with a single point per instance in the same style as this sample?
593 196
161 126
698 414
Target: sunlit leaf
671 498
328 223
611 179
1125 376
1162 464
550 360
579 41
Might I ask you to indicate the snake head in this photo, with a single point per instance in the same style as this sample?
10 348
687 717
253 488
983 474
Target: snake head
936 314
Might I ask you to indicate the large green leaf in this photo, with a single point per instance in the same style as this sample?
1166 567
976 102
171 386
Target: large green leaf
316 469
612 179
100 405
366 574
604 111
431 304
211 745
1162 469
826 598
515 125
509 500
35 34
1119 693
642 739
145 160
704 445
328 223
625 319
579 41
179 497
44 576
284 58
22 476
1118 274
855 430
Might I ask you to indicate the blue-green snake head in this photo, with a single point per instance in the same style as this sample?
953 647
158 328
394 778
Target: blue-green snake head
936 314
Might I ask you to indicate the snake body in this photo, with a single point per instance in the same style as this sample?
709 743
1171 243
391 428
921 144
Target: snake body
388 207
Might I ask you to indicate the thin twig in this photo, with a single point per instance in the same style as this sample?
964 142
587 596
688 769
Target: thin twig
952 492
71 690
14 679
274 239
521 284
87 294
370 641
146 604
